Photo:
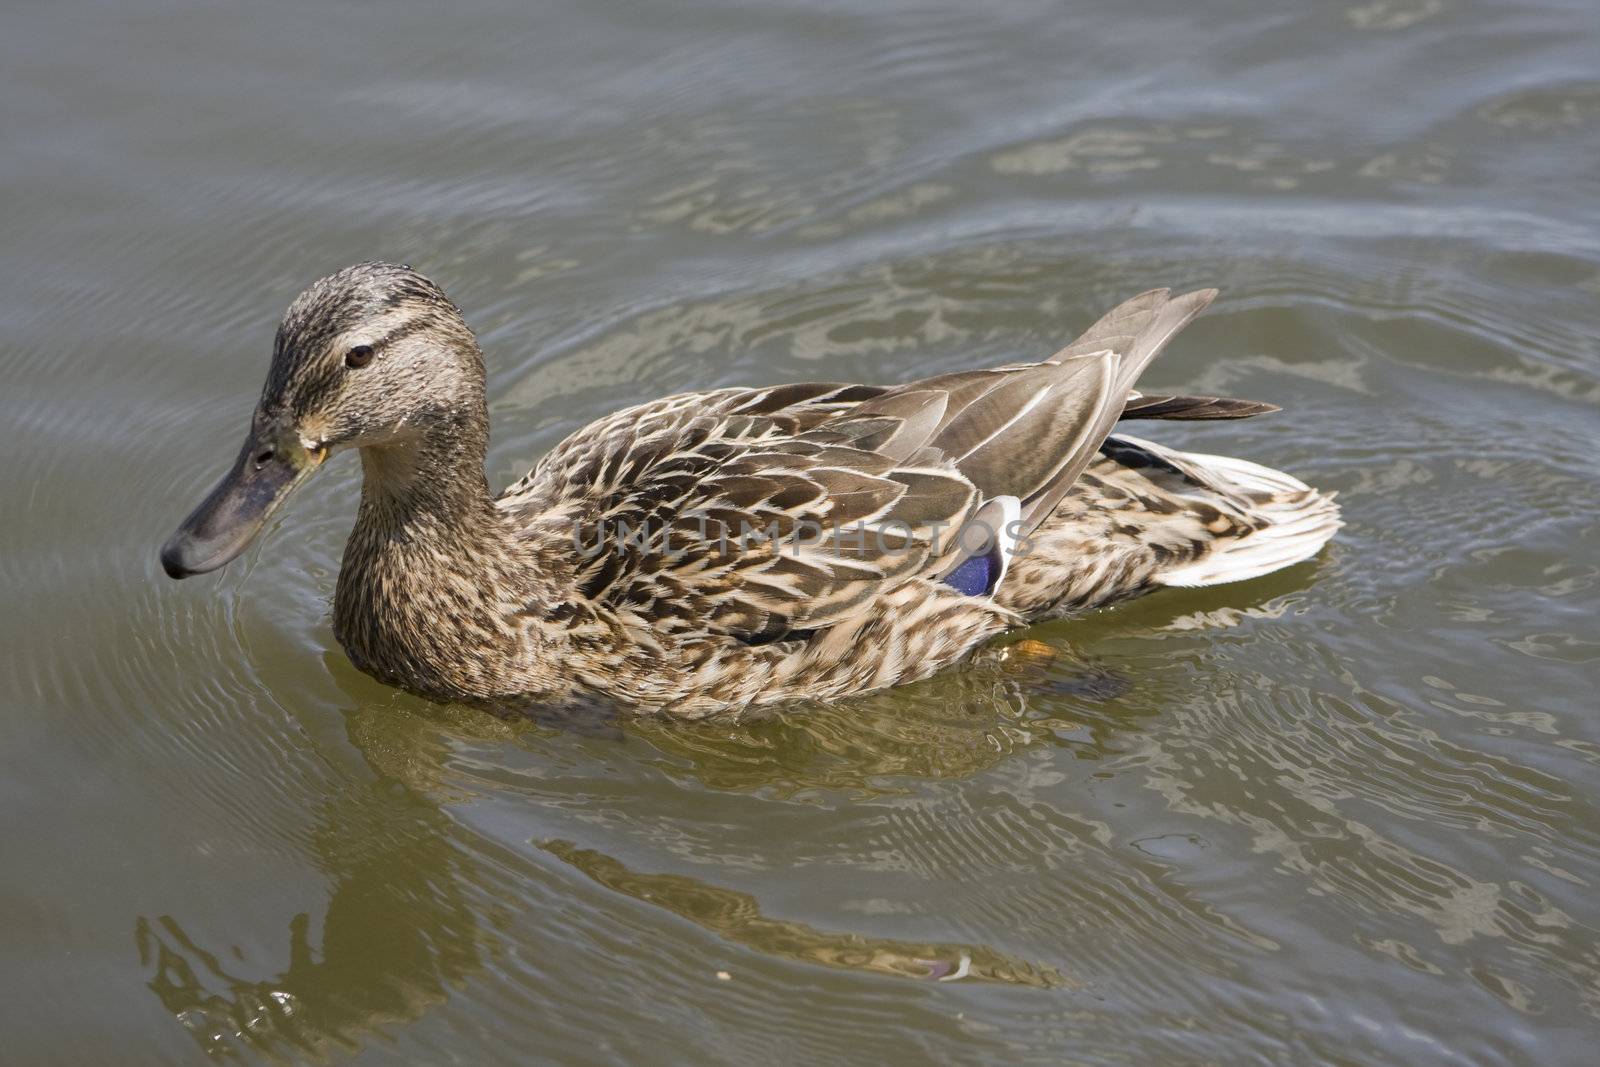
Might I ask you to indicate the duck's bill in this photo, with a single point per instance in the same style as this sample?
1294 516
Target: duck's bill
230 518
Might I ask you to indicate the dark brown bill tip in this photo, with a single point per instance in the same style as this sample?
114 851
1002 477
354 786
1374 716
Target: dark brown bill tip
175 558
182 557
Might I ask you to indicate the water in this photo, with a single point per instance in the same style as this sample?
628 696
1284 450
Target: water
1345 814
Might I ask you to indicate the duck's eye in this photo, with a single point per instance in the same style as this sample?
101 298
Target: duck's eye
359 356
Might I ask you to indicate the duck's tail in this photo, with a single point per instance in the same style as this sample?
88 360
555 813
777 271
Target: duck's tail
1285 520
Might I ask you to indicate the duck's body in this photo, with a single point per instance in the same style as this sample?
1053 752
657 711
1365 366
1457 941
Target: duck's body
715 550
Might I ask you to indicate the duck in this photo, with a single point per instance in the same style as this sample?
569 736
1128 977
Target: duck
736 547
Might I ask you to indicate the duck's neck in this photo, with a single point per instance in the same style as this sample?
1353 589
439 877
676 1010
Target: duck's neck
429 485
418 599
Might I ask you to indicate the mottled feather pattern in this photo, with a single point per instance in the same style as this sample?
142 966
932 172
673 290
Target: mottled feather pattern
719 549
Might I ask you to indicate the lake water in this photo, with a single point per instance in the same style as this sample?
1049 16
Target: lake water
1346 814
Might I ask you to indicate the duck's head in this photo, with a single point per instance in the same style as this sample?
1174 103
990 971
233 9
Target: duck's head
374 357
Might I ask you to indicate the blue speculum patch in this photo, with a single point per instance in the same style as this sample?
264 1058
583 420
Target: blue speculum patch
975 576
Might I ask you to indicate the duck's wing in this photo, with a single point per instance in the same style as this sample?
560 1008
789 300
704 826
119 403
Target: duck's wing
601 456
756 513
738 512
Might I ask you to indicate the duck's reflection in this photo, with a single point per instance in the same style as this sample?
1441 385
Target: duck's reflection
737 917
396 937
409 920
407 924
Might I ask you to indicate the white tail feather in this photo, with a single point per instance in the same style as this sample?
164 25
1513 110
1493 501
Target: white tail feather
1298 520
1242 474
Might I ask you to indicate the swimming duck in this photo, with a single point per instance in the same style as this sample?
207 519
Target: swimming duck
740 546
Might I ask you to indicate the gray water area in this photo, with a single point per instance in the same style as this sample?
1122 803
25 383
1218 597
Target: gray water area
1344 814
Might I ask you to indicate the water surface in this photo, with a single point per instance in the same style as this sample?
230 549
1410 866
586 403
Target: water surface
1344 814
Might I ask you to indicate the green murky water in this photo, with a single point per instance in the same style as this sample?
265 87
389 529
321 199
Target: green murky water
1346 814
